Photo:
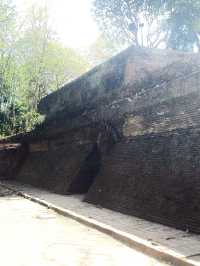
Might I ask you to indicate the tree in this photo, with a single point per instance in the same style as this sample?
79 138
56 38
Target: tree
62 65
183 25
101 50
31 49
151 23
44 64
33 63
8 80
13 119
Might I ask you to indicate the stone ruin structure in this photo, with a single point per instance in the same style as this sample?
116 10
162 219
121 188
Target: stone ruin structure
126 134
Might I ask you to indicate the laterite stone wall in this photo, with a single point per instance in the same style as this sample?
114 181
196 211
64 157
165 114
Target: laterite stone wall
11 159
155 176
129 132
61 164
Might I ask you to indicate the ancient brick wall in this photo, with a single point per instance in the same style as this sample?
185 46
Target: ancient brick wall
129 132
57 163
155 177
128 74
11 158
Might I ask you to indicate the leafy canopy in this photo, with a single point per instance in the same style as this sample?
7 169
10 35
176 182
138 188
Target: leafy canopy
170 23
33 63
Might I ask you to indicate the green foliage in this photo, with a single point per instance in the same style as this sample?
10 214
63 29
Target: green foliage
12 117
172 23
183 25
32 64
101 50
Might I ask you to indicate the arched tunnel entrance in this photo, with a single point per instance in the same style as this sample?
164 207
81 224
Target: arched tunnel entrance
87 173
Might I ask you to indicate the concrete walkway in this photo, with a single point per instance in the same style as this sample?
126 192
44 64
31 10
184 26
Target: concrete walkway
32 235
184 243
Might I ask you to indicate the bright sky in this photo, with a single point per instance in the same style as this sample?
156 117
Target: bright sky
72 20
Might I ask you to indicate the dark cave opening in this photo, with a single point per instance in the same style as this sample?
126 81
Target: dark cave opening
87 173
